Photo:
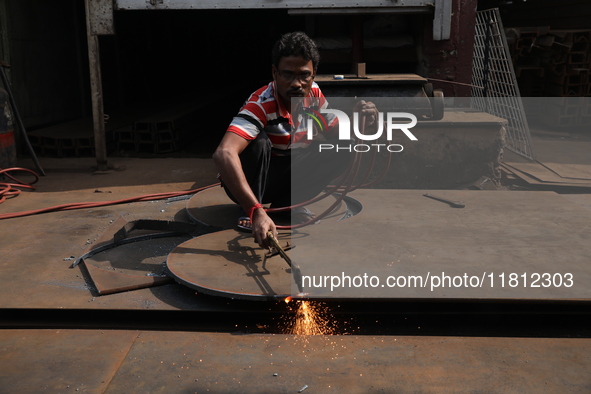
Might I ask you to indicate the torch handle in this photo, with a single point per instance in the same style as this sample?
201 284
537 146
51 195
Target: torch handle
276 245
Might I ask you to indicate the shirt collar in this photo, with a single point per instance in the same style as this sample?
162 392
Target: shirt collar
283 112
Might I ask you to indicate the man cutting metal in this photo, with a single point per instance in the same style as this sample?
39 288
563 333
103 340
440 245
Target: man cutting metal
265 146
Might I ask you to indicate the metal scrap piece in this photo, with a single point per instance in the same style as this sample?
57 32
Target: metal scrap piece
453 204
107 282
110 239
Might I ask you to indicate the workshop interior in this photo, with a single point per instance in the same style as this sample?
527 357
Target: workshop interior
455 260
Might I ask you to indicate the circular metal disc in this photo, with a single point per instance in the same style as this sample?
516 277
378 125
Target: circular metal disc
213 208
230 264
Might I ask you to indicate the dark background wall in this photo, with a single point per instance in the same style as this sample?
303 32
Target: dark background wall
157 56
45 43
565 14
161 55
451 60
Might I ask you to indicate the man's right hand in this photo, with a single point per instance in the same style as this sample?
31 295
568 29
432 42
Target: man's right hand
261 225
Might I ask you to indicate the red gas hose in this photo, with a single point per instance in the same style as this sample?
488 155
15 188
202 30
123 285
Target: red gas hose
82 205
9 189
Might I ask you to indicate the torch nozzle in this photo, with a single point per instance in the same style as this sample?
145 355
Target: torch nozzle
295 269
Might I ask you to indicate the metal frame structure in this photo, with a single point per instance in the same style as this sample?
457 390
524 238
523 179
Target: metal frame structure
263 4
495 88
441 9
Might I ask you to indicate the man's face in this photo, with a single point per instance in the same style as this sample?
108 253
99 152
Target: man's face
294 77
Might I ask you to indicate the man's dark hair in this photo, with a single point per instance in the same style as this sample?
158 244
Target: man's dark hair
296 44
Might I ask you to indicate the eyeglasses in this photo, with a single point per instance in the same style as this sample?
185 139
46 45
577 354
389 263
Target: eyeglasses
288 77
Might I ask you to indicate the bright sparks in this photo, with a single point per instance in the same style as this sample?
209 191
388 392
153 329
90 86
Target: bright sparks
311 318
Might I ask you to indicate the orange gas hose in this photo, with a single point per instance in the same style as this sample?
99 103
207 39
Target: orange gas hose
82 205
10 189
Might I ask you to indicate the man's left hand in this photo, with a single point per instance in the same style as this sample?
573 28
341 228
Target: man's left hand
368 110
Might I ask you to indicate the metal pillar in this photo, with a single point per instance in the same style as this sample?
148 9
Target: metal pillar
442 20
99 21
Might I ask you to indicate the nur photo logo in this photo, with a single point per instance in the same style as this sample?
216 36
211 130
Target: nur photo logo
317 122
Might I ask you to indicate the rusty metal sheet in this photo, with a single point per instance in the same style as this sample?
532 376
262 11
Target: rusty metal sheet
114 361
119 233
107 282
229 363
106 237
60 361
499 244
536 174
557 158
139 259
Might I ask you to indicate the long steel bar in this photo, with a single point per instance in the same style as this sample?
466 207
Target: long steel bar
96 89
486 59
264 4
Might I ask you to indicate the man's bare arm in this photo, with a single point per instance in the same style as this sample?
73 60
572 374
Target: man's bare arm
227 160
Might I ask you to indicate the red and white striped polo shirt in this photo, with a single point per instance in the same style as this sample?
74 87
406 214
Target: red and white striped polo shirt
264 111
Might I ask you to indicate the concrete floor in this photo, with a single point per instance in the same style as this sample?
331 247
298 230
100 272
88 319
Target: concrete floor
36 255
